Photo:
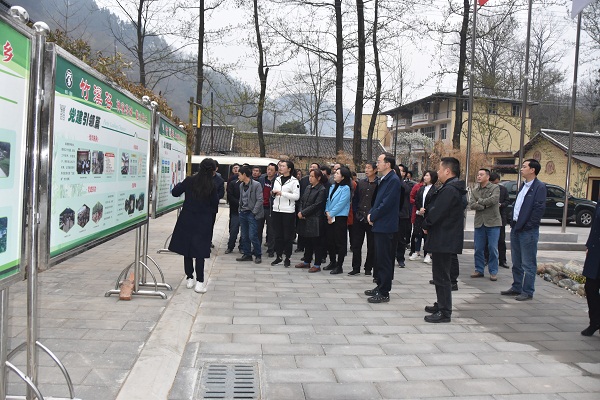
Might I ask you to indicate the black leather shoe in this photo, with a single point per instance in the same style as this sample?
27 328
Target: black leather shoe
509 292
523 297
245 257
372 292
329 267
432 309
590 330
276 261
271 254
228 251
454 287
437 318
431 281
368 272
257 260
336 271
378 298
352 273
286 263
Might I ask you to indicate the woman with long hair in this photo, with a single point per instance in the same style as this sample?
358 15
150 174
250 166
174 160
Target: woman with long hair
311 220
422 201
193 230
285 192
336 210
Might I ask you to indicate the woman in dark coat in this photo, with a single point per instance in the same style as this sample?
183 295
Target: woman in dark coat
193 230
422 201
591 271
311 220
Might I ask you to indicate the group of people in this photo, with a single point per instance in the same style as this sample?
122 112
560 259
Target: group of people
325 208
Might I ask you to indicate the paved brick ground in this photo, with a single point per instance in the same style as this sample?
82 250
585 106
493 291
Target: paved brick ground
311 336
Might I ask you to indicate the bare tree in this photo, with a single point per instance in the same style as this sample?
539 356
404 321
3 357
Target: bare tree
360 84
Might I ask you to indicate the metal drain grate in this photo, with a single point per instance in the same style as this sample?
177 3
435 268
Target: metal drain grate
230 381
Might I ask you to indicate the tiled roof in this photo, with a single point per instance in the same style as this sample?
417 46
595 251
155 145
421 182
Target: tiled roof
222 138
587 144
297 145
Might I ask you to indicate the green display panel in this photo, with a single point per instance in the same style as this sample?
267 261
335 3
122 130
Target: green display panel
171 166
15 63
100 160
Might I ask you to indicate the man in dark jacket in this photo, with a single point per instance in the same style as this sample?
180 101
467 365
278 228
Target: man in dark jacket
591 271
525 231
250 210
361 205
266 181
233 198
383 218
444 226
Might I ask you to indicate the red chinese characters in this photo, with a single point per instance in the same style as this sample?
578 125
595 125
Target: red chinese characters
85 88
97 95
108 100
7 52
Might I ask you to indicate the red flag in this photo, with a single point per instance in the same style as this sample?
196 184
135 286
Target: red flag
481 2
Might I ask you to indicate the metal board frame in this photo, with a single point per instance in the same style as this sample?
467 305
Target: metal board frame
48 150
157 165
28 128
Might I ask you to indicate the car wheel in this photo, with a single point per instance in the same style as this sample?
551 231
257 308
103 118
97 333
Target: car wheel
584 218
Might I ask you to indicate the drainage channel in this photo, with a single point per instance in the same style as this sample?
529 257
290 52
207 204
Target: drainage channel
229 381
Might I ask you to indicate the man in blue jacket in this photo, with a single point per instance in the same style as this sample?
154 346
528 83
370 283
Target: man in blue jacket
444 226
525 231
384 219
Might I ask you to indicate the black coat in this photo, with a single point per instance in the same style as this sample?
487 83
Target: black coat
193 230
504 203
312 207
591 267
444 221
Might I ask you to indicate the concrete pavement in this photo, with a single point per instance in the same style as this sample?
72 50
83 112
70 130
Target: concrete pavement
287 334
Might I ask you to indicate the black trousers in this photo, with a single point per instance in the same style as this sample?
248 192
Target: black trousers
188 266
592 293
314 246
284 230
501 247
359 231
454 269
385 249
261 223
404 230
337 240
440 266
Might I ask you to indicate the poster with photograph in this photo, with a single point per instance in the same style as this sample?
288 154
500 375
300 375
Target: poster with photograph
101 143
171 166
14 96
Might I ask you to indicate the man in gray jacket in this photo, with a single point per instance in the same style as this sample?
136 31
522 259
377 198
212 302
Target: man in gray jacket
485 201
251 209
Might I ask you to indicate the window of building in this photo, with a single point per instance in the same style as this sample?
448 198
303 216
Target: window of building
443 131
429 131
466 105
516 110
493 108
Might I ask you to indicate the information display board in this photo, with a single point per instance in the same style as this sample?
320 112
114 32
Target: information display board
15 63
171 167
100 159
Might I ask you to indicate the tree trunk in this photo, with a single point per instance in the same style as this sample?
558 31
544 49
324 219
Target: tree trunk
377 87
140 42
200 75
339 79
262 75
360 86
460 79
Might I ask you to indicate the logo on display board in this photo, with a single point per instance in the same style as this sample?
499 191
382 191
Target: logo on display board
69 78
7 52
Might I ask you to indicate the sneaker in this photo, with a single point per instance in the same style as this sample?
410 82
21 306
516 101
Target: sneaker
476 274
427 259
286 263
276 261
493 278
379 298
200 287
401 264
523 297
372 292
190 283
415 257
245 257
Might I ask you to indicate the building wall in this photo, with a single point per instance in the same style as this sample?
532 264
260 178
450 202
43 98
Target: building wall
554 169
381 132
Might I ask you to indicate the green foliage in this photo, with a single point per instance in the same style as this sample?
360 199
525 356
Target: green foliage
294 127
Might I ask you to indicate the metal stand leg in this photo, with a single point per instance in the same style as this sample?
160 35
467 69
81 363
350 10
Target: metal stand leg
165 249
137 270
146 257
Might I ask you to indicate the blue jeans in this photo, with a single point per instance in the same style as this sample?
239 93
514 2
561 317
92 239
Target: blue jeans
489 234
523 248
234 229
249 233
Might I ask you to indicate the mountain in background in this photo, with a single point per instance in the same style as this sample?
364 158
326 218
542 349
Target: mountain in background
84 19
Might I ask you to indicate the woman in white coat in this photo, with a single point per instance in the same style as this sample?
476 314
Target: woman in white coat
285 192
